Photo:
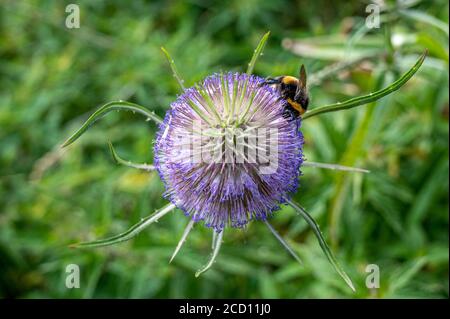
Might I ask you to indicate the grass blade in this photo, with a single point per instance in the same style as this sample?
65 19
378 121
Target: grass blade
425 18
315 227
214 254
371 97
257 53
173 67
401 278
108 107
119 160
318 77
283 242
130 233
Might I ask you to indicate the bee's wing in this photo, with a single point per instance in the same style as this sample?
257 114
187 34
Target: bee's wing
301 87
302 78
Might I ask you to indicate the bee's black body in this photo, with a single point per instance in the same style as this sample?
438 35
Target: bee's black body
293 91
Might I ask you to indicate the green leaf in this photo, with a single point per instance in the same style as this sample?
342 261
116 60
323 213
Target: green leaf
371 97
336 47
336 167
108 107
315 227
119 160
283 243
186 232
130 233
317 78
257 53
173 67
215 252
267 285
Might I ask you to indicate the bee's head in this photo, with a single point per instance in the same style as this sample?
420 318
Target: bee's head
301 95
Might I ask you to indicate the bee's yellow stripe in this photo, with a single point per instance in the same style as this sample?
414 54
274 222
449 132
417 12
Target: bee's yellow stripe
296 106
289 80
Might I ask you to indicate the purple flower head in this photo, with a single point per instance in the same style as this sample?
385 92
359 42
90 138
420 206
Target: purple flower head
227 153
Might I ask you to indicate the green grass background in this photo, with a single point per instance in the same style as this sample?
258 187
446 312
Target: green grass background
52 78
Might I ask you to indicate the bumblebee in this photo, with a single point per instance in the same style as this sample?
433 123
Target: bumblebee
293 91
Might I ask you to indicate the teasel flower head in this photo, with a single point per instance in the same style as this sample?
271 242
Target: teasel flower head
227 152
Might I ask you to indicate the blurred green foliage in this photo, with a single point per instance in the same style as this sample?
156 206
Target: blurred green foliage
52 78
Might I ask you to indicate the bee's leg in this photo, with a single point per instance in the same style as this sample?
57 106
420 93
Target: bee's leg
280 98
288 114
291 115
270 81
